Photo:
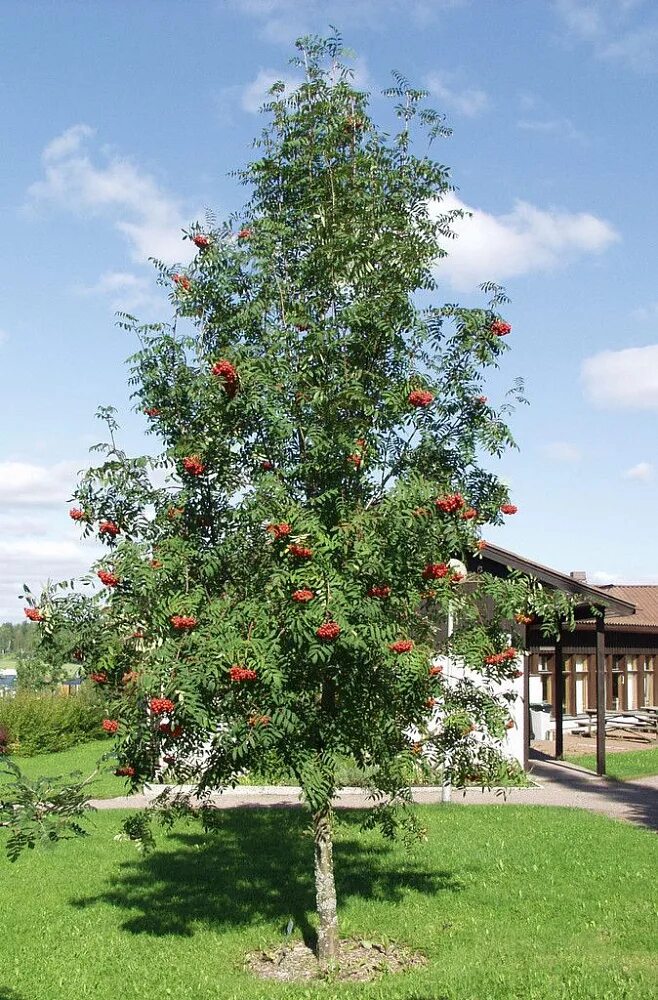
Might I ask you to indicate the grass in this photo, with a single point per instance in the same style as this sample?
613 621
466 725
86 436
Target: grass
505 901
79 758
622 765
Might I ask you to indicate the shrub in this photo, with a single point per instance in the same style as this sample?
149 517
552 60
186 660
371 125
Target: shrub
47 723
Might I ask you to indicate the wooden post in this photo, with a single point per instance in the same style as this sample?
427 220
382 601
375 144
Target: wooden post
558 688
523 637
600 691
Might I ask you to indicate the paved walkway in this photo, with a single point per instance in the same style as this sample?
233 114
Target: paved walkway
558 784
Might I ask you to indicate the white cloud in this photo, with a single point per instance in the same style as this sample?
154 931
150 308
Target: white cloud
25 484
562 451
603 576
283 20
91 183
469 101
255 94
642 471
38 541
626 378
125 291
624 31
563 128
497 247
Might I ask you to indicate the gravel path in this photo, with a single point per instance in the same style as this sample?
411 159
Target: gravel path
558 784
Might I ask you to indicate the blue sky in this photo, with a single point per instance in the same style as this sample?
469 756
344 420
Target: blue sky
121 121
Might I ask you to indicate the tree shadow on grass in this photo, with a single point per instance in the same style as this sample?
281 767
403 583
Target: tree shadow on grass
257 866
8 994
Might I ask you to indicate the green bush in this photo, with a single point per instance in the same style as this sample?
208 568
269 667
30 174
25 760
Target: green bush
50 722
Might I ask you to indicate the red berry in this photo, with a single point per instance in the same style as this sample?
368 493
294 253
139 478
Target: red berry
508 508
401 646
435 571
300 551
237 673
201 241
266 465
303 596
183 622
33 614
125 772
469 514
328 631
355 459
279 530
224 369
161 706
450 503
193 465
420 397
76 514
110 725
182 281
382 592
435 671
500 328
109 579
245 233
98 678
108 528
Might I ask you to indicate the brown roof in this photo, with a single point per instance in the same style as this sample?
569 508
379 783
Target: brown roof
645 599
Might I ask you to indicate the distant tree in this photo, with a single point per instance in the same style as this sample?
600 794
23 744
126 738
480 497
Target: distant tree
286 593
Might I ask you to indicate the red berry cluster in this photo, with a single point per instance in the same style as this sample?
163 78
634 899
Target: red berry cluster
266 465
161 706
258 720
435 571
279 530
182 281
237 673
76 514
508 508
245 233
201 241
500 328
224 369
420 397
523 619
481 400
182 622
381 591
33 614
469 514
300 551
152 411
193 465
175 512
401 646
495 659
328 631
450 503
125 772
110 725
435 671
109 579
130 677
355 459
108 528
167 729
303 596
155 564
98 678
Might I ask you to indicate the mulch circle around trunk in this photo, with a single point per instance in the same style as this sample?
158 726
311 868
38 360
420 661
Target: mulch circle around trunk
359 961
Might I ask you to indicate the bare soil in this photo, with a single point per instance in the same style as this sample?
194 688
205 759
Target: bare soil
359 961
575 745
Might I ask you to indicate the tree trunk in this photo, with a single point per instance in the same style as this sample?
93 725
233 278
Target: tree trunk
325 888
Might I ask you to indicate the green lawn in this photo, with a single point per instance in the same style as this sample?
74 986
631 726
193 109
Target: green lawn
83 758
506 902
622 766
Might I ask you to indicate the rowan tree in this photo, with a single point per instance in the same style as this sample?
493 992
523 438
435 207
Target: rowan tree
282 575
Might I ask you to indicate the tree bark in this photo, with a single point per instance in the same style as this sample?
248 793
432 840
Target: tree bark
325 888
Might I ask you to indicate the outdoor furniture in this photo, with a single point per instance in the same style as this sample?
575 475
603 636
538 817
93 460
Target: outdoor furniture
641 720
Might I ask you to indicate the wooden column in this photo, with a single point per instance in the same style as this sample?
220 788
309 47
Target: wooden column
600 691
523 638
558 696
